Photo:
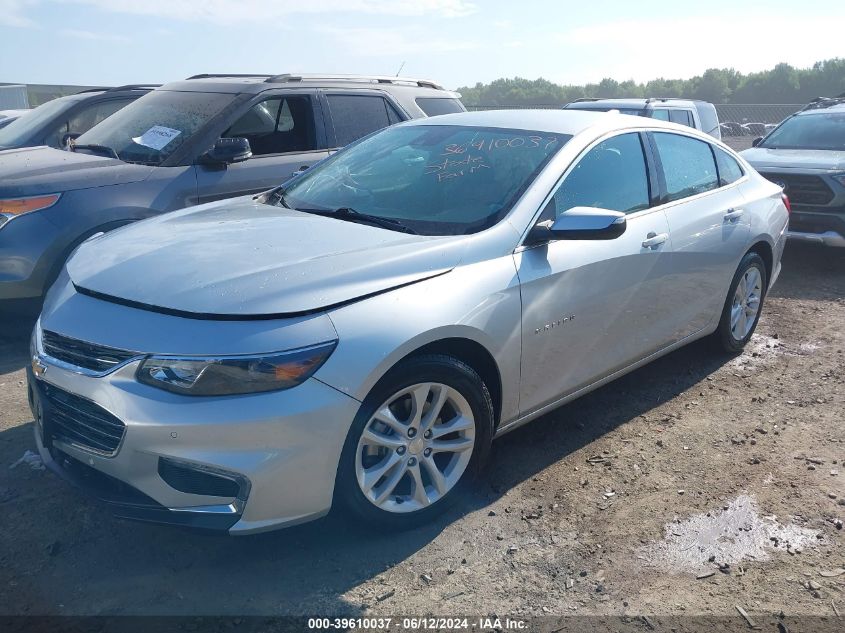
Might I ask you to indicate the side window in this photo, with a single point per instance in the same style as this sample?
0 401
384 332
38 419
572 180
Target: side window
85 118
612 176
729 169
277 125
681 116
688 165
661 114
356 115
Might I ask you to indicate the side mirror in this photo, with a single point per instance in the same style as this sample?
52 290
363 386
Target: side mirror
69 138
580 223
228 150
756 141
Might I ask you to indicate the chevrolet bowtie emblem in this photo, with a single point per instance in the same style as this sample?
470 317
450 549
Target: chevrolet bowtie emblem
38 368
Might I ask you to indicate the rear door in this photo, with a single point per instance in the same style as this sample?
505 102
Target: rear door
286 133
593 307
708 223
352 114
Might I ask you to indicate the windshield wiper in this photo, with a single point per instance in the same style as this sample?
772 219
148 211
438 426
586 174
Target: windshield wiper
351 215
96 148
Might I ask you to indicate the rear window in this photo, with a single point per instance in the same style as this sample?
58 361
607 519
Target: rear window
688 165
356 115
433 106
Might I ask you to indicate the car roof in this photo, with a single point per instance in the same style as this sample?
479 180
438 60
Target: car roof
631 103
837 108
552 121
254 84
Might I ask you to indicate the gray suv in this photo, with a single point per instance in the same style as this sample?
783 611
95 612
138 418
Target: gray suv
60 120
700 115
805 155
189 142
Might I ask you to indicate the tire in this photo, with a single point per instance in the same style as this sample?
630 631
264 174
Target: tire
732 335
394 499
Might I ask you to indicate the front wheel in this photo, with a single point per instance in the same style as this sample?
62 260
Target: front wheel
417 441
744 304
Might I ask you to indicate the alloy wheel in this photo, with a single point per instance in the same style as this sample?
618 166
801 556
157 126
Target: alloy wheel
415 447
746 303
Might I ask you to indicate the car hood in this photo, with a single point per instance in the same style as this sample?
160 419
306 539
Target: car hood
762 157
241 258
31 171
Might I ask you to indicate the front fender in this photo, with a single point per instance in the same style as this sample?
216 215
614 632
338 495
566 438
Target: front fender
478 302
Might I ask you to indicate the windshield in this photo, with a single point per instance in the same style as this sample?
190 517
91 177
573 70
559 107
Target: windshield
434 179
20 130
809 131
153 127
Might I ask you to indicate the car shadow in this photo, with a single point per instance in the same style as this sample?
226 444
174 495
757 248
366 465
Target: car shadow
303 569
14 341
811 271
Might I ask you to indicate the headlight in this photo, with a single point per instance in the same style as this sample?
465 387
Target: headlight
229 375
13 207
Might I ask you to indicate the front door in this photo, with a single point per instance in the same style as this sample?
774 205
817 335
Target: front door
593 307
286 135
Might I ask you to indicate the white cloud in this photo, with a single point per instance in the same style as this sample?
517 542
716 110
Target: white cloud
373 42
13 13
229 11
667 47
90 35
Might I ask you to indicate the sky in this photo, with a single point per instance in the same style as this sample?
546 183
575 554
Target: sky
454 42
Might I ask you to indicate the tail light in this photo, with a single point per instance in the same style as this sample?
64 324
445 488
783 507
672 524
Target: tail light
786 203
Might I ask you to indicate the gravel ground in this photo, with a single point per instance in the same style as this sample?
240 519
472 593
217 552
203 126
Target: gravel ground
688 487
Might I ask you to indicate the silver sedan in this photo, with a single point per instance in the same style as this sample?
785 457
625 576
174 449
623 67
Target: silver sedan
360 335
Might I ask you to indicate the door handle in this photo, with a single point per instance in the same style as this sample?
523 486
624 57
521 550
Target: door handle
733 214
653 240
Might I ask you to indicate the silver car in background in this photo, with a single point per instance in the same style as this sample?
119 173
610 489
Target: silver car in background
360 335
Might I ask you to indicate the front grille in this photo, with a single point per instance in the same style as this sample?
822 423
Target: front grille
97 358
802 189
79 421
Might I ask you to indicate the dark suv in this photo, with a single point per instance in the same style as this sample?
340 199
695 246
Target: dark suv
63 119
189 142
805 155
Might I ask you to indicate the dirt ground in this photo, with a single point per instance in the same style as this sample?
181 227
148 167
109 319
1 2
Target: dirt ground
692 486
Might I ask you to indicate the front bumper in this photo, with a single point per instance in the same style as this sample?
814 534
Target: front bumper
826 238
285 444
818 225
29 248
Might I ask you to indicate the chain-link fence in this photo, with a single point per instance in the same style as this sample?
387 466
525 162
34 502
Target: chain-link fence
740 123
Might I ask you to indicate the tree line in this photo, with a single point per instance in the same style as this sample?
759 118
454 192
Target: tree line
781 84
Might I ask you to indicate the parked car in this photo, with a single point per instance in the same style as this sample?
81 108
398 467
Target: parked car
700 115
359 335
7 116
57 122
805 155
731 128
754 129
193 141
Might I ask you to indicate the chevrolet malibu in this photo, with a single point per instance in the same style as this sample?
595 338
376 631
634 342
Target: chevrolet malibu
360 335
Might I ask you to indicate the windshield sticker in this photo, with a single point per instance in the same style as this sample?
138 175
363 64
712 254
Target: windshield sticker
157 137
